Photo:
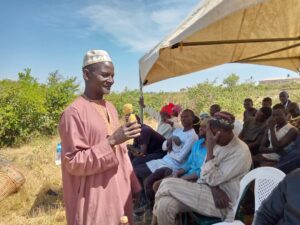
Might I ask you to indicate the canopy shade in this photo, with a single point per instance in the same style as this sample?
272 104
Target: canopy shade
265 32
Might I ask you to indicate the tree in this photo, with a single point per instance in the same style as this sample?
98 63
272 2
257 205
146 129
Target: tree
231 80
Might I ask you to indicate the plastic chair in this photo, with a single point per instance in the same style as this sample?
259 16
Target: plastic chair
266 179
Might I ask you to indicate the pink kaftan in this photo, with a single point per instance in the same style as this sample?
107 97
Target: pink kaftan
97 180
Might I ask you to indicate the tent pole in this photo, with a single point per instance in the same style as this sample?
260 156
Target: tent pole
242 41
141 96
268 53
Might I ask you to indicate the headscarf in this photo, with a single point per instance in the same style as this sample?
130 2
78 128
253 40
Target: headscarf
167 109
223 120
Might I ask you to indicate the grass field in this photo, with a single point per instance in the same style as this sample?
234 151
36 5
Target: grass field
39 200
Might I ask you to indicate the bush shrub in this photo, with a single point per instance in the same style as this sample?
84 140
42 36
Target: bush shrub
29 108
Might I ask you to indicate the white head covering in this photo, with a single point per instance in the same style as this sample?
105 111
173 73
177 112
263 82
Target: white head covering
95 56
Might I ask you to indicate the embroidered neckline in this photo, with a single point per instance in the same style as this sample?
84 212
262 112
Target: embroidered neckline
100 106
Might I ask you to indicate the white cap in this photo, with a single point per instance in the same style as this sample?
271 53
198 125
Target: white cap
95 56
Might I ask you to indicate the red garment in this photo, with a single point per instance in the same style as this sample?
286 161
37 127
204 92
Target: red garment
168 109
97 180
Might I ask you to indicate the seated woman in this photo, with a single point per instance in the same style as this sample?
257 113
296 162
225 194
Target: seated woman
278 137
254 129
167 117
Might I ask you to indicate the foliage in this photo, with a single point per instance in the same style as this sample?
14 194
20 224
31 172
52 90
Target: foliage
230 95
28 108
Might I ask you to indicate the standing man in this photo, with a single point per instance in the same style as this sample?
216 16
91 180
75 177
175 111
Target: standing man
284 99
98 179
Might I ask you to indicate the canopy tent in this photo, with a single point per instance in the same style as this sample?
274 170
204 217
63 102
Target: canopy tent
263 32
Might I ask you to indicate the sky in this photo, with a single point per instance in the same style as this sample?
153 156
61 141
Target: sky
54 35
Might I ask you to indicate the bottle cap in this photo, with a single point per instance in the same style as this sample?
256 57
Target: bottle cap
124 219
127 108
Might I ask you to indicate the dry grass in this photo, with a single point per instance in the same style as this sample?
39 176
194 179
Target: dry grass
36 202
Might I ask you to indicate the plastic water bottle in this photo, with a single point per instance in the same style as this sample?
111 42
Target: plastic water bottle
58 154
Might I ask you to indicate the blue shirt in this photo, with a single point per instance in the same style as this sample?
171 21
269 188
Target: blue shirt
196 158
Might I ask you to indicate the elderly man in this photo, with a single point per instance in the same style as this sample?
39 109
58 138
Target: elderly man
228 160
98 179
284 99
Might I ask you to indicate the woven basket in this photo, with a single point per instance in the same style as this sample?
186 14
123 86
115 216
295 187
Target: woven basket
11 179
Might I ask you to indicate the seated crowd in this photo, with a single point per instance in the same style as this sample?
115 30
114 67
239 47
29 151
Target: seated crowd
192 163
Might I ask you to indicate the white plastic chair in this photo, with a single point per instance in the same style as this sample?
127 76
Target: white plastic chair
265 180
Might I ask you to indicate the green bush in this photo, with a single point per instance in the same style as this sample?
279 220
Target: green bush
28 108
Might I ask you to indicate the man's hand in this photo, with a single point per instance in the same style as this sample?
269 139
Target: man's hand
178 173
221 199
271 122
135 151
124 133
169 144
211 141
168 121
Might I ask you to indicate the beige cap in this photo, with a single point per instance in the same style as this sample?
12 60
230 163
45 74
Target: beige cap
95 56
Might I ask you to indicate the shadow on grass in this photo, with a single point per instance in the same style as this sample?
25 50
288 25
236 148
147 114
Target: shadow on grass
47 200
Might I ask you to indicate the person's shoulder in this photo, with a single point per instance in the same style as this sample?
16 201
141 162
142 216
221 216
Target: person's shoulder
200 141
178 130
191 132
147 128
239 142
75 106
241 146
294 175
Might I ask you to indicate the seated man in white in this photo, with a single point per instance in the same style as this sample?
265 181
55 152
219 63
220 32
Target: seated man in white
178 146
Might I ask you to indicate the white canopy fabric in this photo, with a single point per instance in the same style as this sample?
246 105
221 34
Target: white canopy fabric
263 32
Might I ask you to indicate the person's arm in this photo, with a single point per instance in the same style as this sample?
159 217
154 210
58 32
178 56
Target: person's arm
256 144
213 172
220 197
272 208
263 144
190 177
245 125
279 145
189 165
185 149
179 172
81 159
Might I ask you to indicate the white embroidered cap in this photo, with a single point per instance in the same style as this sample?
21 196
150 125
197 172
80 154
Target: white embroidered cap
95 56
